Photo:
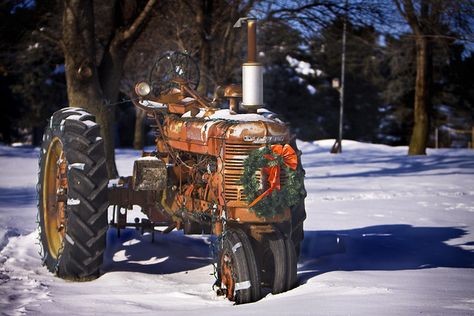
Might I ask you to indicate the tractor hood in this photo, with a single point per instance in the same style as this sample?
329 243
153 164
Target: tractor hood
205 132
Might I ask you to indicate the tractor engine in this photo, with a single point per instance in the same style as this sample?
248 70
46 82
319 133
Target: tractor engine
194 176
209 159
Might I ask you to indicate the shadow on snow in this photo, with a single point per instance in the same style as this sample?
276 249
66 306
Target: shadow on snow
17 197
384 247
399 166
170 253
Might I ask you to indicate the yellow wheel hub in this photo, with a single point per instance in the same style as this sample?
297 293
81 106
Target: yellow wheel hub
55 196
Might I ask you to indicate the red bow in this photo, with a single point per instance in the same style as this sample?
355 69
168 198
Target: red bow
289 159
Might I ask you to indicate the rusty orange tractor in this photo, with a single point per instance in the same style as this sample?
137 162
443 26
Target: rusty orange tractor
224 166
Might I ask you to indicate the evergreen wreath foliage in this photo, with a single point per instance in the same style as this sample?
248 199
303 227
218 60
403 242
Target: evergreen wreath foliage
277 201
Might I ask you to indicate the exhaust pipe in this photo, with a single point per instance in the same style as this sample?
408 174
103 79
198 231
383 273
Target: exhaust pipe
252 71
251 41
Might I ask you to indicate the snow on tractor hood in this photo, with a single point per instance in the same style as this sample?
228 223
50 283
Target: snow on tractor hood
262 115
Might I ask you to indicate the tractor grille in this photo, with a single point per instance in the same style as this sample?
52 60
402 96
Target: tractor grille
234 157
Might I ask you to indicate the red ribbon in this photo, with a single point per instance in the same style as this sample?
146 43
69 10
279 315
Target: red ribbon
289 159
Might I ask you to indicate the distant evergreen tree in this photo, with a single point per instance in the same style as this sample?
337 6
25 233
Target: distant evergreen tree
430 21
453 93
452 89
33 80
306 98
285 90
363 80
397 111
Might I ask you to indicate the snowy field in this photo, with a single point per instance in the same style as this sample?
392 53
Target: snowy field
386 234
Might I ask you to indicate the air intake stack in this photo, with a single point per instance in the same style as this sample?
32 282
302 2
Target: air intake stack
252 71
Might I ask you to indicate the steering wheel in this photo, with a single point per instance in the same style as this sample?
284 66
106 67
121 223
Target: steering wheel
170 66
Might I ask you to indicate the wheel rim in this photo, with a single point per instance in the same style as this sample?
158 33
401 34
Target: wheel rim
54 196
227 274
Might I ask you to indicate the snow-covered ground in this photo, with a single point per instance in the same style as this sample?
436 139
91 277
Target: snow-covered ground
386 234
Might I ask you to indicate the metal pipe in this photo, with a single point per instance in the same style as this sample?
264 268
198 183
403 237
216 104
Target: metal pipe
252 71
337 147
341 91
252 41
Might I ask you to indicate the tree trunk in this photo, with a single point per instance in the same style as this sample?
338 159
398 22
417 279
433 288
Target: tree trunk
111 71
420 134
82 76
139 135
91 86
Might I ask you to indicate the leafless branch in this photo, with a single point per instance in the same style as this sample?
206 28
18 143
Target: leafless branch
45 33
410 16
135 27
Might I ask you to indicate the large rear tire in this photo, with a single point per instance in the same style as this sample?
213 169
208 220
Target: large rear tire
72 191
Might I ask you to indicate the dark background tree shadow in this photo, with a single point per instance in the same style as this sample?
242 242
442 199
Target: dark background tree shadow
384 247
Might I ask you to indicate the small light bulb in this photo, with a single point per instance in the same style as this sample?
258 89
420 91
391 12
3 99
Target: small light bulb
142 89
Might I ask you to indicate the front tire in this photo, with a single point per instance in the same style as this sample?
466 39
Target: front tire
72 191
238 269
298 211
277 262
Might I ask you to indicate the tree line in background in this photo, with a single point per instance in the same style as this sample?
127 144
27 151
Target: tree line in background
409 63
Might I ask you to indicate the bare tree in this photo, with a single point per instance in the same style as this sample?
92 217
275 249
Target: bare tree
314 14
205 30
96 37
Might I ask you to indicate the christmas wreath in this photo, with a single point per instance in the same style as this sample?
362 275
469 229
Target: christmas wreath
272 198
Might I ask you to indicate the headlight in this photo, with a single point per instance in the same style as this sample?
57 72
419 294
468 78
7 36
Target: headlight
142 89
